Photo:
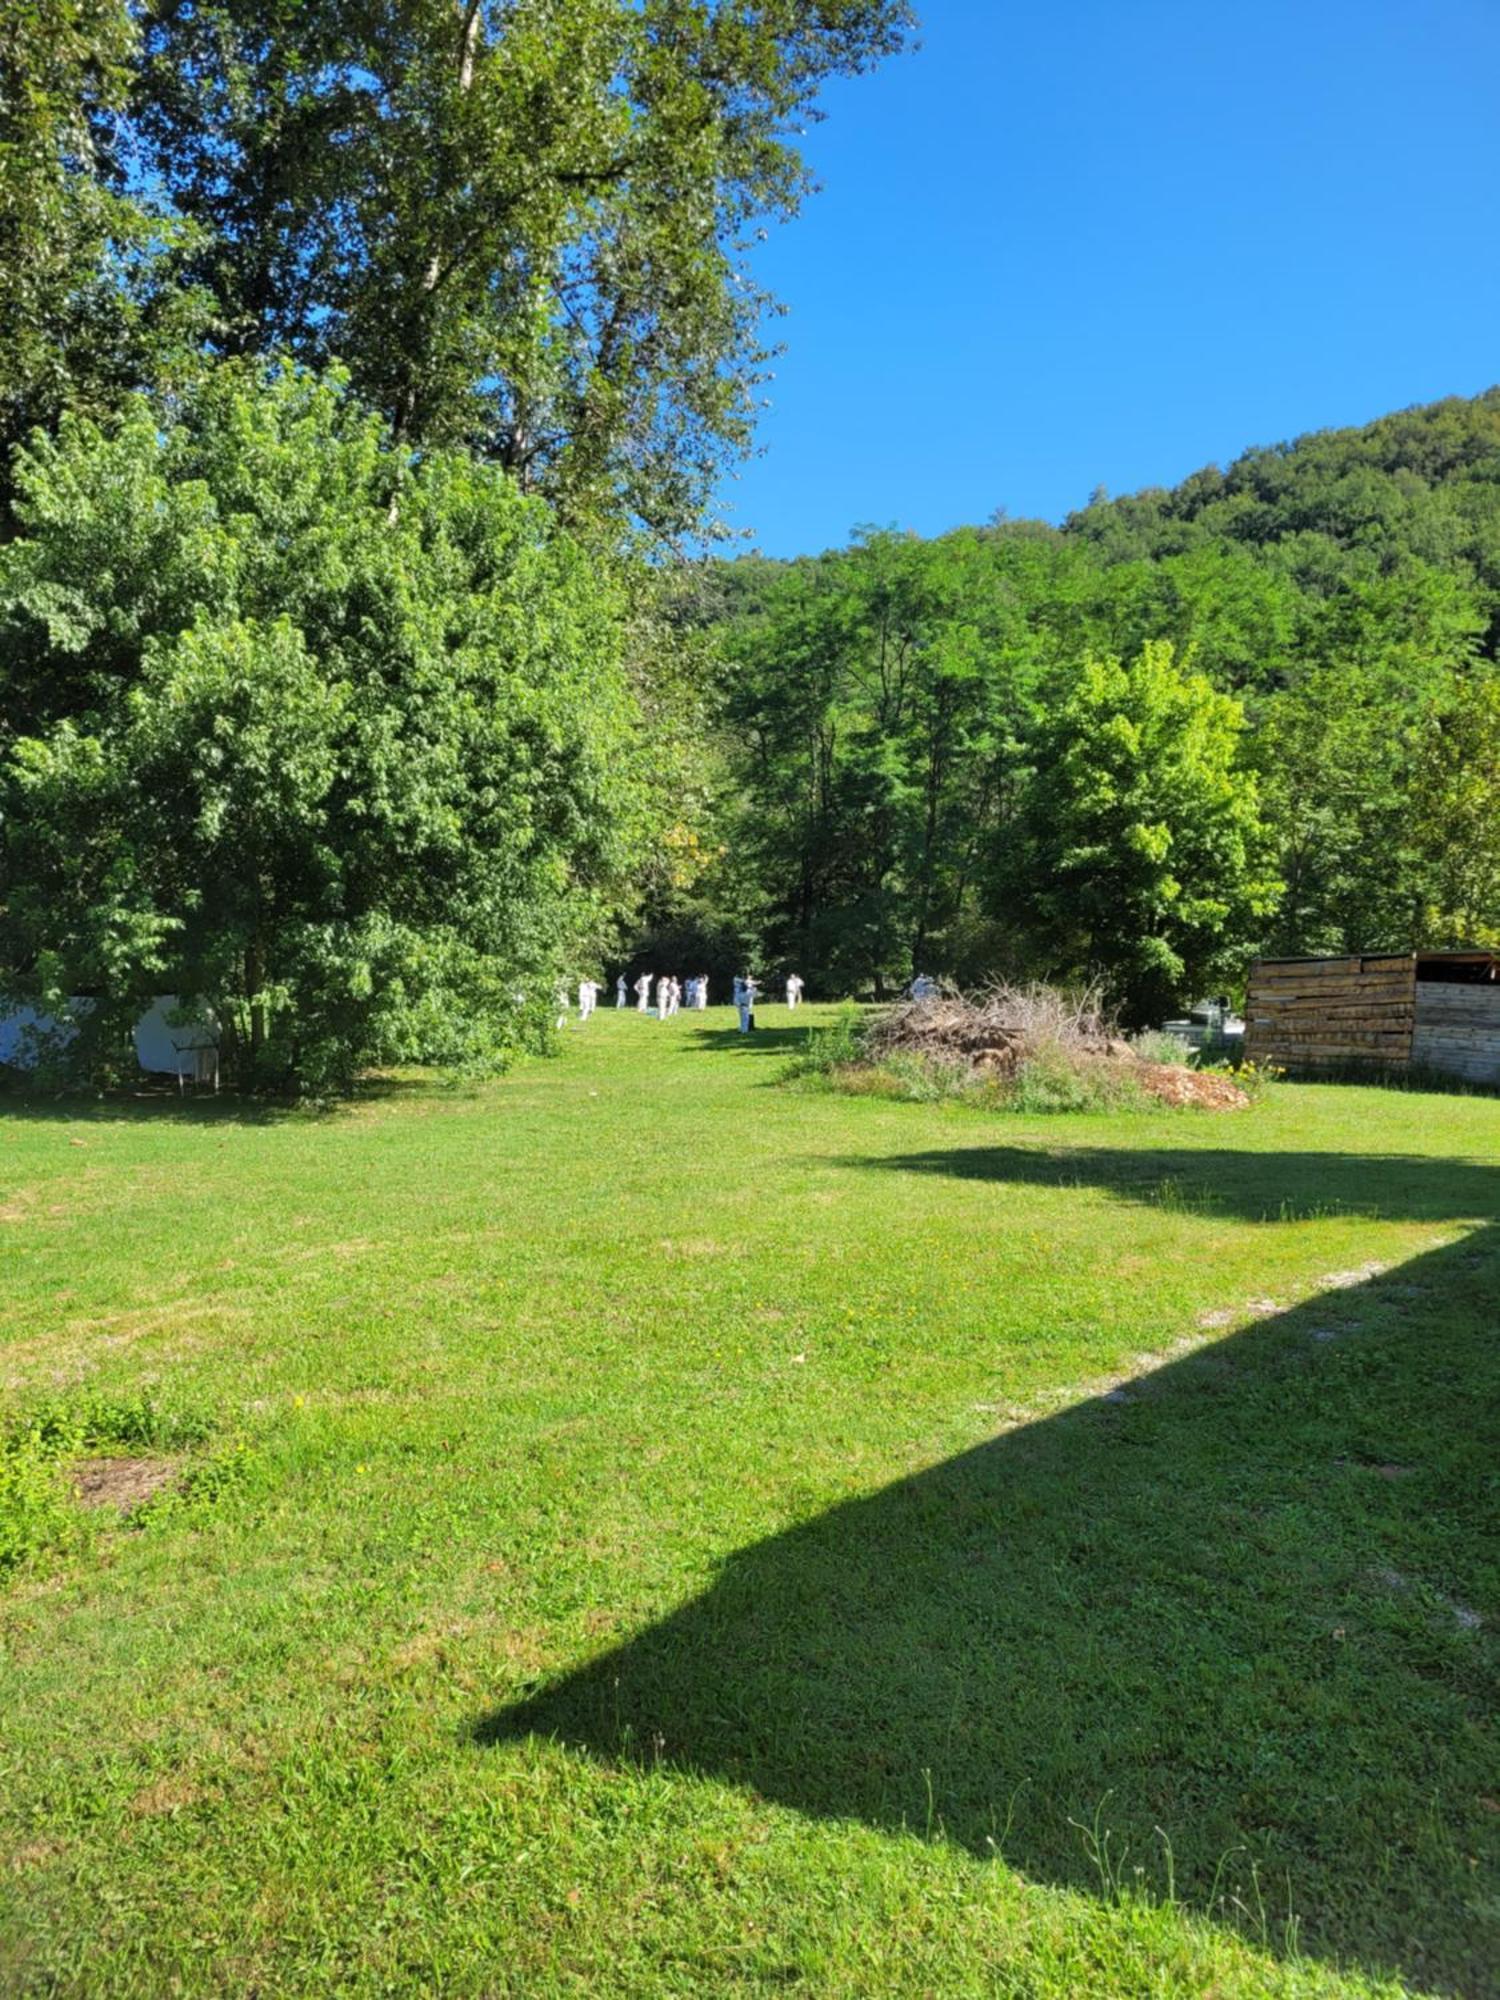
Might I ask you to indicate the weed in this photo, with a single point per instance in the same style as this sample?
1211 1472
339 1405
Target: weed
838 1046
1154 1045
35 1517
1053 1078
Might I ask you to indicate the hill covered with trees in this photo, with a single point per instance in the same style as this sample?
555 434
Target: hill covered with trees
1256 711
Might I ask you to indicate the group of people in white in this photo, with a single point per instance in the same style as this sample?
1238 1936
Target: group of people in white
672 995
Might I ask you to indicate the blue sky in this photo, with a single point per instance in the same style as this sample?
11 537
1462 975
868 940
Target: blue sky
1098 244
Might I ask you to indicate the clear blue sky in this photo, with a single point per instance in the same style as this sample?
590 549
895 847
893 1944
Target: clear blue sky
1083 244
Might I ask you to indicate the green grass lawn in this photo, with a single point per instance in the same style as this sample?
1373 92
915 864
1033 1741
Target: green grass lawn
705 1537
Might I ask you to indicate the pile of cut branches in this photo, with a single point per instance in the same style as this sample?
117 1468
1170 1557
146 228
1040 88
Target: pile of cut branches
997 1028
1007 1033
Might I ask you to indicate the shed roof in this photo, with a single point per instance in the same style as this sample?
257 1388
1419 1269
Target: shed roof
1444 957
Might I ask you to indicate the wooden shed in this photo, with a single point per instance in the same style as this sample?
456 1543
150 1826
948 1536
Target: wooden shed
1437 1010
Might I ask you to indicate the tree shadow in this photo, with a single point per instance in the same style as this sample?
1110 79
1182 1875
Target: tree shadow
1235 1605
763 1041
1221 1181
165 1104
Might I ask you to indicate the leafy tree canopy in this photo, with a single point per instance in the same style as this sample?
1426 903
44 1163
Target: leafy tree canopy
357 778
523 225
1141 852
886 707
91 298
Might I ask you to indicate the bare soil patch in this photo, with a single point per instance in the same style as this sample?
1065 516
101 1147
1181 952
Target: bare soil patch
121 1483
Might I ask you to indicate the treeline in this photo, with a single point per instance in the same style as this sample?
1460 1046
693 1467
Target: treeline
1257 712
352 361
362 372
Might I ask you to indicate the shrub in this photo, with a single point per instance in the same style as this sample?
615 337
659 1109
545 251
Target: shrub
835 1047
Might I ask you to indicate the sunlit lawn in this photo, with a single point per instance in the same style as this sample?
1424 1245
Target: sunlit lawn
699 1536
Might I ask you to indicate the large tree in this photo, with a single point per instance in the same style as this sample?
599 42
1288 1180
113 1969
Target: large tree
1142 859
522 224
874 699
361 785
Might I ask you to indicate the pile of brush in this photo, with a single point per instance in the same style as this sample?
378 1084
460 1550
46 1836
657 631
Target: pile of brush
1000 1027
1000 1030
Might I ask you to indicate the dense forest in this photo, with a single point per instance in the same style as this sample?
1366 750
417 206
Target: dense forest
1257 711
364 372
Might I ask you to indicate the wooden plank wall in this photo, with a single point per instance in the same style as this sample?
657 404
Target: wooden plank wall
1458 1030
1303 1013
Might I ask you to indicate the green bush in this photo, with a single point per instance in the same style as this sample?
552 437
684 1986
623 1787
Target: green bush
336 746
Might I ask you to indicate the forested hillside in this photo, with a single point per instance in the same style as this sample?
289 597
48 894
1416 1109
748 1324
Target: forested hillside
1258 710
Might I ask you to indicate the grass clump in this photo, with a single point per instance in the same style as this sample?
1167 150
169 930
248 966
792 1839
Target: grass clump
35 1517
1155 1045
1052 1077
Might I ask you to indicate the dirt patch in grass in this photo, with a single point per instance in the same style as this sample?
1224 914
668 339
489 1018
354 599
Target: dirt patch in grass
1173 1083
122 1483
168 1794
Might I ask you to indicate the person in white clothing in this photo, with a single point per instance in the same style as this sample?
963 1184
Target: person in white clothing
746 1004
700 992
620 991
663 989
643 993
588 998
793 989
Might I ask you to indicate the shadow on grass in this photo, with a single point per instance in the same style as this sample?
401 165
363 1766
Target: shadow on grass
1413 1077
1220 1181
149 1104
1245 1606
761 1042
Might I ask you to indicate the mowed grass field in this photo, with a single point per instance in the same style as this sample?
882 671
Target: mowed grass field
695 1536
